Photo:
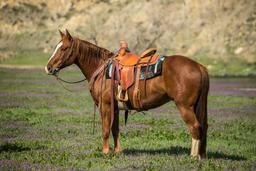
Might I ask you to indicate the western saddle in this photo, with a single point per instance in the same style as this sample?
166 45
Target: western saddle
129 66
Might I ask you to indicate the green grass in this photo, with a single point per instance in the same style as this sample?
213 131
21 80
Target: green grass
233 67
27 57
44 127
216 67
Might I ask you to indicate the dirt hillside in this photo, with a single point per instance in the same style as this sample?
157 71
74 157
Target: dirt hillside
197 28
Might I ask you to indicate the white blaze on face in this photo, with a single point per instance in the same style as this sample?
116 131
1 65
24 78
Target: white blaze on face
56 49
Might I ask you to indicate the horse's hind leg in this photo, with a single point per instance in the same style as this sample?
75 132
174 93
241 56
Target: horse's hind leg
115 132
189 116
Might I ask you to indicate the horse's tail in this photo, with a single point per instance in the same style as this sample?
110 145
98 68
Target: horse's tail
201 108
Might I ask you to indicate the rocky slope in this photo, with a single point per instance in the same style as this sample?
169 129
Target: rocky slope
198 28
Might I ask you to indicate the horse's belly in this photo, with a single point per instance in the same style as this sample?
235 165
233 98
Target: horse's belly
151 101
152 95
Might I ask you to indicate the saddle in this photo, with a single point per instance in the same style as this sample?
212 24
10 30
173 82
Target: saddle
129 67
130 62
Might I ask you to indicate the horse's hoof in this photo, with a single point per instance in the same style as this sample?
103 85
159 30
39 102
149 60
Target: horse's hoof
202 156
118 150
199 157
105 151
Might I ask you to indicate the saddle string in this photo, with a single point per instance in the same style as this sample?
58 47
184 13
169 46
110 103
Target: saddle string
136 93
146 73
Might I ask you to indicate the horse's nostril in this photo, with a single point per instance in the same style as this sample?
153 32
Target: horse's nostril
49 68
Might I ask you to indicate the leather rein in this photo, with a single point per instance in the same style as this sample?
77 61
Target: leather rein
69 82
91 82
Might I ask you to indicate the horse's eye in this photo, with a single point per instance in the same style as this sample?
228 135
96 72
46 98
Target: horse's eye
63 48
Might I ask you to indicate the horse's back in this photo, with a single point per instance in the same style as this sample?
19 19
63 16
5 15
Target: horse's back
181 67
181 62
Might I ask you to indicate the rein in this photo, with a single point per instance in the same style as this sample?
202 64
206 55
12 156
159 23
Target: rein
69 82
91 82
75 82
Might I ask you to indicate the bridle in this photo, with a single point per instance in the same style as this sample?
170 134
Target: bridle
92 79
57 70
94 75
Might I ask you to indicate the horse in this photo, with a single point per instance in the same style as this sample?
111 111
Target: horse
183 81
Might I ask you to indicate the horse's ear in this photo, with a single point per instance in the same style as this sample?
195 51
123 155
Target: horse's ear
68 35
61 34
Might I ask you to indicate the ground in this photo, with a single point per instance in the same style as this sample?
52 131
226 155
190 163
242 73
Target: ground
45 127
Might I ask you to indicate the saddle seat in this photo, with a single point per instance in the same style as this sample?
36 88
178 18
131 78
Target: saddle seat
147 57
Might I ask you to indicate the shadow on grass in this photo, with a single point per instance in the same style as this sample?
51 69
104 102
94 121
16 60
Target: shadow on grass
8 147
180 151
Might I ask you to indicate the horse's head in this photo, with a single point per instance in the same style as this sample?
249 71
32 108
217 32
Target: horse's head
62 56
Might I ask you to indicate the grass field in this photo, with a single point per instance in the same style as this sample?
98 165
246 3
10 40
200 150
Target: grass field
217 67
44 127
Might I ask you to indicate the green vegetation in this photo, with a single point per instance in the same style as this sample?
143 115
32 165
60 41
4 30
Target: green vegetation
233 67
216 67
27 57
44 127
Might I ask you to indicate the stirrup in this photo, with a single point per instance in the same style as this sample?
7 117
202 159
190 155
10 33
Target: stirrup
120 94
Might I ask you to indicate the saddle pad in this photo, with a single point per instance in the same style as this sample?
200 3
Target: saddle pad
153 70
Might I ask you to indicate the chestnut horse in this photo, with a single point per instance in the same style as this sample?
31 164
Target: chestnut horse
182 80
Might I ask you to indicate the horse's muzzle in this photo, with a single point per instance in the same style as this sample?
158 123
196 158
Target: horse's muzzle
50 70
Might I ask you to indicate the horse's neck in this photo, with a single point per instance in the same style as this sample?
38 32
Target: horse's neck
88 69
88 64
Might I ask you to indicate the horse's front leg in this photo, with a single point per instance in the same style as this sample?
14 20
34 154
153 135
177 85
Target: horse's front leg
106 121
115 132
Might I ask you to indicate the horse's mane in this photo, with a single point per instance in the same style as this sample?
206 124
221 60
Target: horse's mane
90 52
